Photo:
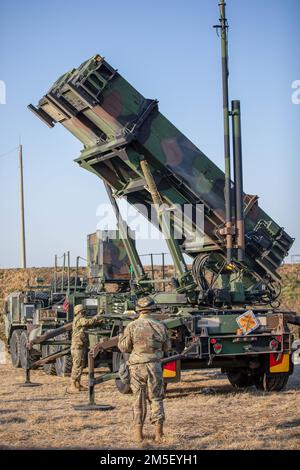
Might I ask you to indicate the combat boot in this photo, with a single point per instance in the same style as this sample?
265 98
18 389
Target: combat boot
73 387
80 387
138 433
158 432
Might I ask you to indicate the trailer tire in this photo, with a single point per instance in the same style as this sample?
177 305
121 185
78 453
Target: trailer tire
239 378
49 369
271 382
63 366
14 348
117 360
23 349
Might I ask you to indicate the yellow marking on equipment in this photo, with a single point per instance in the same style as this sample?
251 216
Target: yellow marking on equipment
169 373
283 365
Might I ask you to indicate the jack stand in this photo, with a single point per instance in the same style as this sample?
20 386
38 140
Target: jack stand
27 382
91 405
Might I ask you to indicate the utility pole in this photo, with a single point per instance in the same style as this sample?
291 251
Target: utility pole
23 245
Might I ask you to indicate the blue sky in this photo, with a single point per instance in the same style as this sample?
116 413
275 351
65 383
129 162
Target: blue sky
169 51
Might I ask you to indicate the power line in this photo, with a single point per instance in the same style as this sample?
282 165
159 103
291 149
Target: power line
9 152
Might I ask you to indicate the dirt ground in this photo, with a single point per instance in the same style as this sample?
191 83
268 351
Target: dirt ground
203 412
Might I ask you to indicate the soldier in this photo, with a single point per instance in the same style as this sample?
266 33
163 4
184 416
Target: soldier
79 344
146 339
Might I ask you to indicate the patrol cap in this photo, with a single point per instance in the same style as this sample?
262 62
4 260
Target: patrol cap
146 303
78 308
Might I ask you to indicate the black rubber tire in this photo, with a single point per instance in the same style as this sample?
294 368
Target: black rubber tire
49 369
239 378
23 349
63 366
271 382
14 348
117 360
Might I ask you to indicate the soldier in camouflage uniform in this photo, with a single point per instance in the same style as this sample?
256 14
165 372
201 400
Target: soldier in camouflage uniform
79 345
146 339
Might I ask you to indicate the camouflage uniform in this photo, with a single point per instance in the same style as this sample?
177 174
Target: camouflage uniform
79 345
147 340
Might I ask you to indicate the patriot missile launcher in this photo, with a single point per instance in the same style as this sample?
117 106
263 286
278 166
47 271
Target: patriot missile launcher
224 310
120 129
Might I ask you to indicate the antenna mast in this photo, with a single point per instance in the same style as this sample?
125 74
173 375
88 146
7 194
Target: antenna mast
226 113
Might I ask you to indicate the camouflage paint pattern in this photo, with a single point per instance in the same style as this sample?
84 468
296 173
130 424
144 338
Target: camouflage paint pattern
118 127
107 257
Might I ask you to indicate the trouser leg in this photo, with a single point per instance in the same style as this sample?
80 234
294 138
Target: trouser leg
138 384
155 392
77 364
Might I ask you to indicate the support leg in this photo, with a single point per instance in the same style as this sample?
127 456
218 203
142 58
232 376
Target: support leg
92 405
91 365
28 382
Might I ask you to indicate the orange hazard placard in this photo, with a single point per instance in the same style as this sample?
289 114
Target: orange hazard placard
247 322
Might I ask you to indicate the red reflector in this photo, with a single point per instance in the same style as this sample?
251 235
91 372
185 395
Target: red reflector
273 344
217 348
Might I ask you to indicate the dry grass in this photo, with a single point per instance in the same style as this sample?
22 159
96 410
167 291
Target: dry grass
290 295
202 412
